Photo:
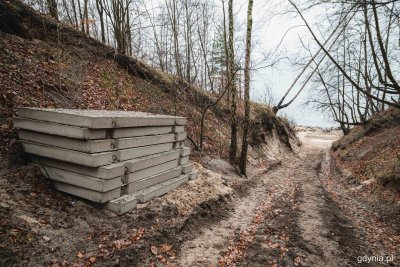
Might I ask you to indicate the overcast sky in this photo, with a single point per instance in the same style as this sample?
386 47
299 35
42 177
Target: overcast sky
271 22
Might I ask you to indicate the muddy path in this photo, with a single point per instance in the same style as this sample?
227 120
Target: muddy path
286 218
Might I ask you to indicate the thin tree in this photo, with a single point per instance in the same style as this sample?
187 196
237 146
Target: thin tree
231 71
246 126
53 10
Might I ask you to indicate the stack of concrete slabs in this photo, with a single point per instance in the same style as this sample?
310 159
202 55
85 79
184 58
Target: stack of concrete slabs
107 156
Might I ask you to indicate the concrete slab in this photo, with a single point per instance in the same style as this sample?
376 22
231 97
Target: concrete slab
147 119
86 146
140 131
179 144
187 168
96 119
80 180
185 151
180 136
145 173
99 197
152 180
193 176
153 160
122 205
179 129
59 129
184 160
160 189
103 172
131 142
131 153
85 159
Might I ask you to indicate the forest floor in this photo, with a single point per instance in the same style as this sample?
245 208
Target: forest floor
293 212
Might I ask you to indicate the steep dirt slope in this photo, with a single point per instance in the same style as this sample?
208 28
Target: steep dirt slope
365 168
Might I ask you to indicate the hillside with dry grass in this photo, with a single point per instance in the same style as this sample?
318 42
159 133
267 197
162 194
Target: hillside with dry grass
371 152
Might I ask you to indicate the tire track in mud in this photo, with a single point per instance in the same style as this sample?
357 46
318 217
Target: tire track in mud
286 219
226 241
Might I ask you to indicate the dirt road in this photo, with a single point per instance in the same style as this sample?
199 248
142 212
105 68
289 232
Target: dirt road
285 218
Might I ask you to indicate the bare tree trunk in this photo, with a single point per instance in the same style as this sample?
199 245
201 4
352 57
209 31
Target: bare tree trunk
53 10
232 74
75 15
246 126
100 9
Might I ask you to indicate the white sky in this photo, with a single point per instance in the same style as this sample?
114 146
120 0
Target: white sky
271 21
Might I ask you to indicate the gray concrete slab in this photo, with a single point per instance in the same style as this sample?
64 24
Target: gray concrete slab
152 180
85 159
153 160
99 197
145 173
140 131
122 204
123 143
184 160
187 168
178 129
185 151
178 144
80 180
193 176
148 120
103 172
96 119
59 129
86 146
131 153
160 189
180 136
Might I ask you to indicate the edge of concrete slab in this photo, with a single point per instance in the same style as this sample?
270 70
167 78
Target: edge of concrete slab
152 180
53 128
103 172
83 181
85 159
160 189
99 197
122 204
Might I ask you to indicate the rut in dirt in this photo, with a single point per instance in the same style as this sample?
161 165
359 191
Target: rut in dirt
285 218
